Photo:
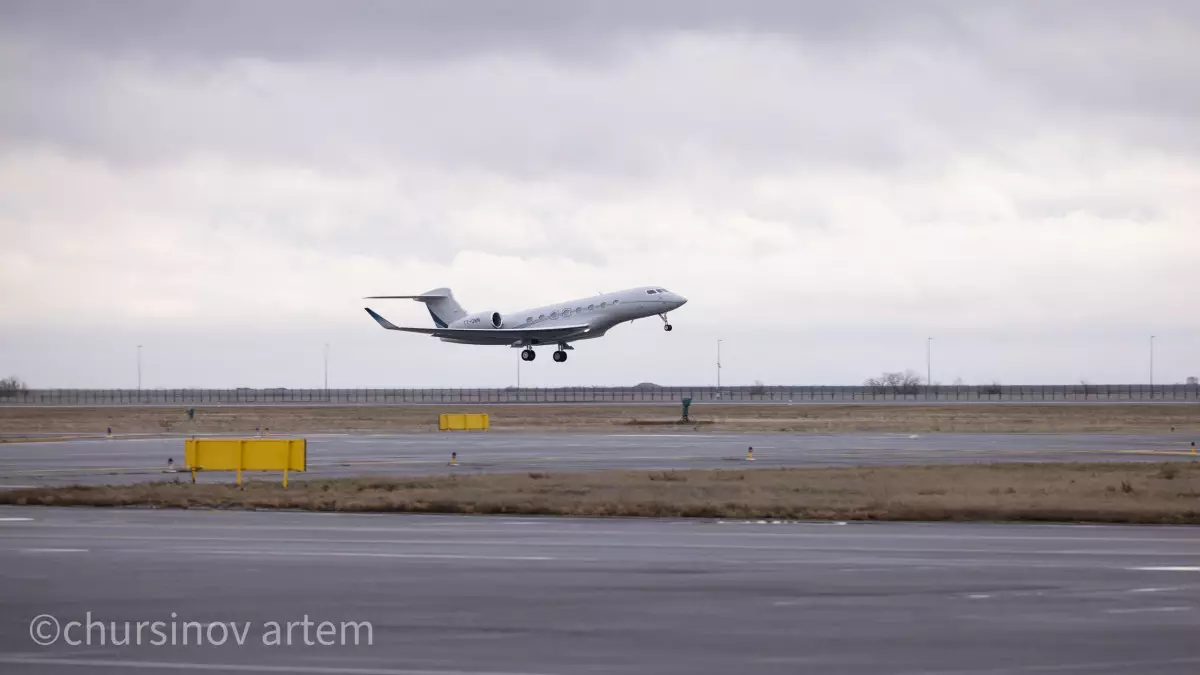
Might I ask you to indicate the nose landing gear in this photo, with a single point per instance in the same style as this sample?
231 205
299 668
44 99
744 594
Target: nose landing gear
666 324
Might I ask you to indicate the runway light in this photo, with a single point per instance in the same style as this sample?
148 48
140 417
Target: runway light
750 454
454 459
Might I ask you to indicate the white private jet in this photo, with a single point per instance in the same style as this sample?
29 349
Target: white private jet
561 323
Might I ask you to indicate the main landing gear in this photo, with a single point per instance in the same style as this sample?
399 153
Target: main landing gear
528 354
561 355
666 324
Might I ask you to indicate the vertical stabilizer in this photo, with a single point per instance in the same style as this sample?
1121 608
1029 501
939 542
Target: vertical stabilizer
440 302
442 306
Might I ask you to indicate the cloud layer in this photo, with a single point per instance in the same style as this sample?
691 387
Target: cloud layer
830 186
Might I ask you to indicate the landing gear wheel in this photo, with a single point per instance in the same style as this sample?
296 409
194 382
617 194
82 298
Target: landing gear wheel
528 355
667 327
560 356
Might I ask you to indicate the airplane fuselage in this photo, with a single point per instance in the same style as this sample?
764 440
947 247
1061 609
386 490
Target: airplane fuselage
560 323
598 313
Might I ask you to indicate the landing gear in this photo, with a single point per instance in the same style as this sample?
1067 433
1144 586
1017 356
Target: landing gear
561 355
666 324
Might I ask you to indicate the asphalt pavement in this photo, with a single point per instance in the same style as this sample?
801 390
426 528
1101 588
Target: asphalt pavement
444 595
130 459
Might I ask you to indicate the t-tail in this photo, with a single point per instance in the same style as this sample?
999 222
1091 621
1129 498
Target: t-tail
440 302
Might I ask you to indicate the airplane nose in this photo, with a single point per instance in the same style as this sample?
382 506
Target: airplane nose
680 301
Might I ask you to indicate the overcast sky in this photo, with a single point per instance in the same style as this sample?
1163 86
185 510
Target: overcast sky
828 183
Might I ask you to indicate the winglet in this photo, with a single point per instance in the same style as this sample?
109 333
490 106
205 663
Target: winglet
382 321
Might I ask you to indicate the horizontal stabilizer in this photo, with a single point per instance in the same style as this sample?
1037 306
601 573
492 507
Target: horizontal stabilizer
425 297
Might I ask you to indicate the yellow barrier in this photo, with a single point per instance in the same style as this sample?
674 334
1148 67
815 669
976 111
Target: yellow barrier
246 454
462 421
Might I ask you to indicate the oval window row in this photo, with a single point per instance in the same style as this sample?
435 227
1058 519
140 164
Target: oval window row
566 312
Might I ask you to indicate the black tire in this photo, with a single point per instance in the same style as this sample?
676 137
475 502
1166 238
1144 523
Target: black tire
667 327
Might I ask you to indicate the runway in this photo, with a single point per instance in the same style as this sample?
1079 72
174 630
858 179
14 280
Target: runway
471 595
129 459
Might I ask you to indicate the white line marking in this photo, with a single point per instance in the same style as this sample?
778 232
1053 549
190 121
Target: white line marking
1142 610
15 520
97 455
355 554
1164 569
1156 590
779 543
239 667
978 596
651 435
53 550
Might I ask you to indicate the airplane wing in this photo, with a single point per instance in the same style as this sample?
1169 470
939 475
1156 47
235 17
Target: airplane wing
549 334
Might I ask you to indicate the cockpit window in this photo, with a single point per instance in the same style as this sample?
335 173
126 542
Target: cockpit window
662 290
651 292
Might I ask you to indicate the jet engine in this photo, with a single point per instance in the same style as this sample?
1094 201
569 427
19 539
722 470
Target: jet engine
481 320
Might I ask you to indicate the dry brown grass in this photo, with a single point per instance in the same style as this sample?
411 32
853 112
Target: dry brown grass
981 417
1121 493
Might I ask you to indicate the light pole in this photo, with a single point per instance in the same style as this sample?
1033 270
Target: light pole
928 362
139 368
1151 366
719 365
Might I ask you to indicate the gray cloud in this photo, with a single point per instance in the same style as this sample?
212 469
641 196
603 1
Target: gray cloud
616 88
858 168
425 29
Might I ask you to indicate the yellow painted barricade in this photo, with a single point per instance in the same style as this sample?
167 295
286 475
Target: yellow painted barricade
246 454
463 422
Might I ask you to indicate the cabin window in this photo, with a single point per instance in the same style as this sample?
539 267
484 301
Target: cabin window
554 314
528 319
603 305
615 301
591 307
578 309
567 312
541 316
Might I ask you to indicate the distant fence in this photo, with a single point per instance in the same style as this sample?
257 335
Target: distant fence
950 394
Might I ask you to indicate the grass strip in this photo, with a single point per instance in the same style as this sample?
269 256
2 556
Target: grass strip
1092 492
